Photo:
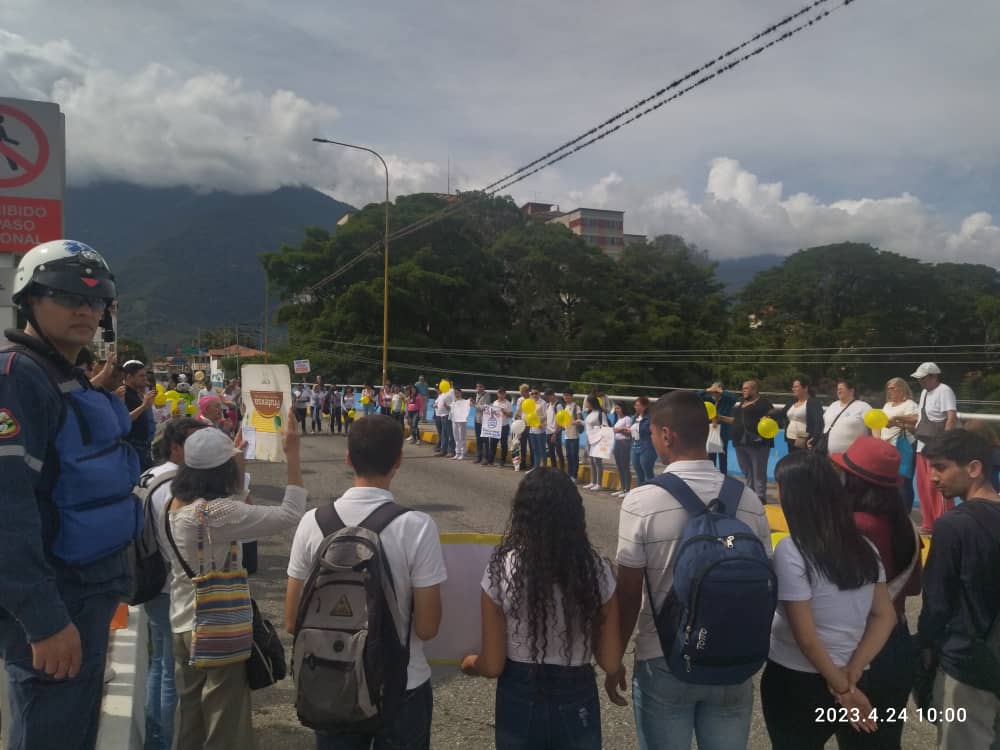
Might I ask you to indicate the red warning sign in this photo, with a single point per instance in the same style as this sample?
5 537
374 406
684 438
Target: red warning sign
26 157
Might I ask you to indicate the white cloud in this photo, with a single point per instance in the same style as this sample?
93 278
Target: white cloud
740 215
158 127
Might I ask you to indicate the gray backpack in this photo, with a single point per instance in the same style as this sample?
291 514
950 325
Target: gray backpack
348 659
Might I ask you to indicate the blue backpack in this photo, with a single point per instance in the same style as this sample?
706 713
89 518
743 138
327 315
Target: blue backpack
715 625
97 470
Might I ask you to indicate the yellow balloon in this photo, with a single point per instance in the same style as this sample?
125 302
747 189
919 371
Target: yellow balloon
528 406
172 395
160 400
710 408
767 428
444 386
159 389
365 400
350 414
532 420
192 409
876 419
563 419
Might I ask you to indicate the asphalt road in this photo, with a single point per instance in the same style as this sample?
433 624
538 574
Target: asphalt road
461 497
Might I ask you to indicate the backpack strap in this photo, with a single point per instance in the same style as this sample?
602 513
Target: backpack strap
681 492
730 495
382 516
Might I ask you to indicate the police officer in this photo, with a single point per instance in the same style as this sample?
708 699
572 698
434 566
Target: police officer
65 499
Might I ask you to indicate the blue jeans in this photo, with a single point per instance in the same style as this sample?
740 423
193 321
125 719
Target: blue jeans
64 714
539 449
668 711
555 709
161 691
573 458
643 459
410 730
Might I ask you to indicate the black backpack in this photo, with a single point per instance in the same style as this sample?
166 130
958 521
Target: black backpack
149 569
348 659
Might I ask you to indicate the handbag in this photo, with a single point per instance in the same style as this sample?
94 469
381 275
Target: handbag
907 456
927 430
223 613
714 443
267 659
822 446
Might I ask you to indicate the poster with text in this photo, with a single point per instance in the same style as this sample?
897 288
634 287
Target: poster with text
465 557
267 392
492 422
460 411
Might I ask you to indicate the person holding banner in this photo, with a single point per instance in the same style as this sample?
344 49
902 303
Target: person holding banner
548 608
596 419
506 411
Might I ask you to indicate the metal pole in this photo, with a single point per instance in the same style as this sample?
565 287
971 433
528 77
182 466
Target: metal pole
385 271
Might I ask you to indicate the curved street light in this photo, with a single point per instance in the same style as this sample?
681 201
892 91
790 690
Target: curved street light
385 276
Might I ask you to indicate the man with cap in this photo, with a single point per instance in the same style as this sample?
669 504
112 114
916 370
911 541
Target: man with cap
938 414
723 402
66 498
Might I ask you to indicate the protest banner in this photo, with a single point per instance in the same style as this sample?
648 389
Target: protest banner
492 422
267 393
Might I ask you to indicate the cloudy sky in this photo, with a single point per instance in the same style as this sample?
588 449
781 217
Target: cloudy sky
878 124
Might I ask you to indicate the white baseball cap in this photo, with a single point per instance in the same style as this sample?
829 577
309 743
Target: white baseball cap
927 368
208 448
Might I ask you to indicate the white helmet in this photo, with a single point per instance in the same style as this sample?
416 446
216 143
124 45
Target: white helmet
65 265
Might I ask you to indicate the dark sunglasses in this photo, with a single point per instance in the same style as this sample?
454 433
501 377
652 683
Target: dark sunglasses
75 301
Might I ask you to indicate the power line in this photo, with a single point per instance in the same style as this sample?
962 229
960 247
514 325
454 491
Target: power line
546 161
656 95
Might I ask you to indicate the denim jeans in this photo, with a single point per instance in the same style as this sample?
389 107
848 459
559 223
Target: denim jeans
491 450
336 419
161 691
573 458
753 464
414 417
555 708
317 420
64 714
410 730
555 450
668 711
623 452
643 460
539 449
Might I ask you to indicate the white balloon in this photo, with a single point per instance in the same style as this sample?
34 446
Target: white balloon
517 427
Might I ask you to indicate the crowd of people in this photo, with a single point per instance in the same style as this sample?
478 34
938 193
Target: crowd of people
822 612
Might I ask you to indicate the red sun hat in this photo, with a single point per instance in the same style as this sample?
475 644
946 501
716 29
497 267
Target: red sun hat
871 459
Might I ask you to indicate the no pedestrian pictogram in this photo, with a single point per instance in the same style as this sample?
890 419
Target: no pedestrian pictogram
24 148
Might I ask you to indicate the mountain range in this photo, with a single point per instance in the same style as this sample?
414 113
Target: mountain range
188 260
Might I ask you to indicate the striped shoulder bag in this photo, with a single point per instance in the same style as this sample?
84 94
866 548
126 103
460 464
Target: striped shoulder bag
223 615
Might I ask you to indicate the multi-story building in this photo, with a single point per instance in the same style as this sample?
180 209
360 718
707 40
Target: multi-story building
596 226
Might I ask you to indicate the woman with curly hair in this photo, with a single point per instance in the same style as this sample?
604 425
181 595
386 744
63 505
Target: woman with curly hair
548 607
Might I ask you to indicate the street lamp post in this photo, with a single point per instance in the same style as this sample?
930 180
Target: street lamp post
385 272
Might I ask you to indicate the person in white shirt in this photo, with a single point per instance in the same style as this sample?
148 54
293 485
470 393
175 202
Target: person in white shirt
937 413
834 613
317 397
524 391
416 564
650 526
214 704
536 435
595 419
442 421
161 691
548 608
553 432
844 419
459 424
899 403
623 449
504 405
573 435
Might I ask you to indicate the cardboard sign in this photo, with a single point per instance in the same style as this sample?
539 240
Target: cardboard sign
301 366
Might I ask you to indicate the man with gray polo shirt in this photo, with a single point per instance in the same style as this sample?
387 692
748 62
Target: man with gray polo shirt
669 711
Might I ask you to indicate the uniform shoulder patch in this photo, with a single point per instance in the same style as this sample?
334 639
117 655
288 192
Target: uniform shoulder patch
9 426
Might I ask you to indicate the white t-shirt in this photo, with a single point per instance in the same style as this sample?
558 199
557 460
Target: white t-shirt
442 404
907 408
540 413
519 635
936 404
650 525
840 616
623 428
551 426
505 407
797 422
411 545
157 505
573 429
848 427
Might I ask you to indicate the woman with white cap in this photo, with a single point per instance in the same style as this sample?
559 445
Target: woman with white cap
208 491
